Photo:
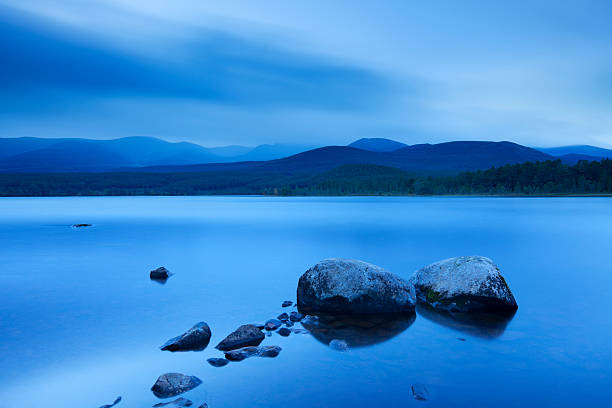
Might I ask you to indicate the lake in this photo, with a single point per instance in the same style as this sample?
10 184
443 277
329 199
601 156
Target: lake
81 322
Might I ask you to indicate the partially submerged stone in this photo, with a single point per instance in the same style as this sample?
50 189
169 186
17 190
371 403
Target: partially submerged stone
179 402
284 331
464 284
217 362
352 286
246 352
287 303
159 273
273 324
245 335
117 400
82 226
171 384
419 392
283 317
196 338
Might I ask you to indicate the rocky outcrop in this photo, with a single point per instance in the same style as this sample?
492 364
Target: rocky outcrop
196 338
171 384
245 335
352 286
464 284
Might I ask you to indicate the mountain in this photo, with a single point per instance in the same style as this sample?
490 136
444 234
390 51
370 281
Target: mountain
447 158
271 151
584 150
31 154
377 144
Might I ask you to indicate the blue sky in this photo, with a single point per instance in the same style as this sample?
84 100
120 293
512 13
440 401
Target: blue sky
308 72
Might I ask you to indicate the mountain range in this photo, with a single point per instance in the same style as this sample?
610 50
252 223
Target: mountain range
148 154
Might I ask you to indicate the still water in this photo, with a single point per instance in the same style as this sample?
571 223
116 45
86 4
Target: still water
81 323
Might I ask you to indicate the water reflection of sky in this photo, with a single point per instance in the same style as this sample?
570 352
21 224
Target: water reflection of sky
82 323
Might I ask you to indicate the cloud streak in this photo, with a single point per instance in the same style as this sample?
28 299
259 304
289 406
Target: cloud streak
212 66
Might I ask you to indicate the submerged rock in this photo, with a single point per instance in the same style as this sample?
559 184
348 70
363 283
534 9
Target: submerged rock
246 352
273 324
245 335
269 351
296 316
283 316
339 345
284 331
464 284
419 392
217 362
241 353
171 384
352 286
82 226
117 400
287 303
160 273
179 402
196 338
203 405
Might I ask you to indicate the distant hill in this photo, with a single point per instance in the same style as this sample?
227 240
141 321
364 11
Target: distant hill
448 158
377 144
31 154
584 150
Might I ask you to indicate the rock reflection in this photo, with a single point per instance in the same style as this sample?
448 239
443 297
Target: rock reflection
358 330
482 325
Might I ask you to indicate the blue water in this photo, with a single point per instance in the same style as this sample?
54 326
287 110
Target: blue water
81 323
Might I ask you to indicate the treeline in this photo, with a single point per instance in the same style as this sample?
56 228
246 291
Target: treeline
541 178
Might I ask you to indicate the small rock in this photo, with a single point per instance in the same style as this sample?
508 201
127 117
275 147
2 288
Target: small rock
81 226
269 351
217 362
419 392
338 345
296 316
171 384
284 331
245 335
287 303
196 338
117 400
273 324
204 405
179 402
241 353
283 316
159 273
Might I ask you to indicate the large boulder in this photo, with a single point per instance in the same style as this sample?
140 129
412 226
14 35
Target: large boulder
171 384
464 284
353 287
245 335
196 338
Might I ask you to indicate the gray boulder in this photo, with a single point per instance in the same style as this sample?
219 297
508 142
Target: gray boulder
196 338
245 335
171 384
351 286
246 352
464 284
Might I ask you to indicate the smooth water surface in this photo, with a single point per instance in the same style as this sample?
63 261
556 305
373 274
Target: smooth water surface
81 323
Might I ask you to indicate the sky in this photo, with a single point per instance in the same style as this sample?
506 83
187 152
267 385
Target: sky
312 72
